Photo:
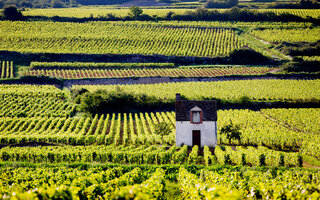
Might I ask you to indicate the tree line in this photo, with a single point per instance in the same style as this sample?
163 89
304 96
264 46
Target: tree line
200 14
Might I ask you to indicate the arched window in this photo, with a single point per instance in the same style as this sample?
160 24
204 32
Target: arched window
196 115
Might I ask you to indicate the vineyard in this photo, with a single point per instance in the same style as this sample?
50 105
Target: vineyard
48 149
92 65
115 38
33 101
74 123
96 12
271 128
258 90
125 73
315 13
6 69
153 183
252 156
293 35
311 58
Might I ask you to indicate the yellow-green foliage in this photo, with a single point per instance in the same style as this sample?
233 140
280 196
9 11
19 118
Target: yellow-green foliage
288 35
115 38
304 13
34 101
271 184
229 90
6 69
82 12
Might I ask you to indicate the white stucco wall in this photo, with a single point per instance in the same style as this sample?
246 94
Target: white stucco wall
208 131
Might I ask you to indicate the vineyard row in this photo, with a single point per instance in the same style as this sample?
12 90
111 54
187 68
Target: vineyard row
150 183
252 156
263 90
180 72
92 65
6 69
34 101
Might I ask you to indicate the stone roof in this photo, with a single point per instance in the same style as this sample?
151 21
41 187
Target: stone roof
183 108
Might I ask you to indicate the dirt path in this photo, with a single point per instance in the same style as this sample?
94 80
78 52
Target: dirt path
263 46
274 70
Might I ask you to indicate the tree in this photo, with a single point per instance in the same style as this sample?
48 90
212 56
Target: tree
162 129
135 12
11 13
169 15
232 131
232 3
221 3
1 4
57 4
26 4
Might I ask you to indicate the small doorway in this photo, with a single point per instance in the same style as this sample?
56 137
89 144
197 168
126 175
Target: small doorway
196 138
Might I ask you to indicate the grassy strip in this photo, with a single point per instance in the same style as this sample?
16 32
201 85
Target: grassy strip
311 160
263 47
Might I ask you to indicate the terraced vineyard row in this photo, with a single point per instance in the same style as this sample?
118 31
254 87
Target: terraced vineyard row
92 65
304 13
34 101
124 182
296 119
262 90
255 184
257 156
95 12
178 72
252 156
259 129
119 38
6 69
288 35
110 129
310 58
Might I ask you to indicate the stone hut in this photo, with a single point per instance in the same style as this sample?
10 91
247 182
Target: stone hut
196 122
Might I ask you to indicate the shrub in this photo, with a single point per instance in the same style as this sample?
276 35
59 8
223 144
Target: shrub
231 131
221 3
57 4
11 13
247 56
301 66
103 101
135 12
162 129
26 4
